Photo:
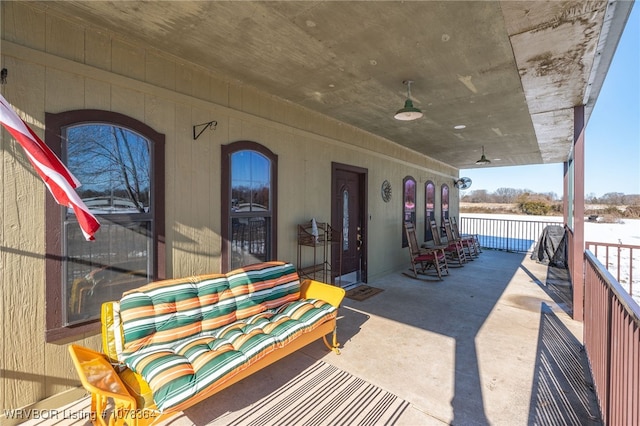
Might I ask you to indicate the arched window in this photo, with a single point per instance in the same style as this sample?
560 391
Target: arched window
120 163
429 208
249 204
408 205
444 205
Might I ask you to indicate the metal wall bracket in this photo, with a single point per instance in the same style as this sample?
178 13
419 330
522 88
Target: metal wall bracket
211 125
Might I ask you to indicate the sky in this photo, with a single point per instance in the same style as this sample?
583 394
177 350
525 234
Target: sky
612 137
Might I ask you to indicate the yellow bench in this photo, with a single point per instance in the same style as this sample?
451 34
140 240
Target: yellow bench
123 391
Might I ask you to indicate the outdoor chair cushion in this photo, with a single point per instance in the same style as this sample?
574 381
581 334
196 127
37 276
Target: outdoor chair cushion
183 336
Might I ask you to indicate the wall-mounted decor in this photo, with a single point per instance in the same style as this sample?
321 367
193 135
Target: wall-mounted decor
386 191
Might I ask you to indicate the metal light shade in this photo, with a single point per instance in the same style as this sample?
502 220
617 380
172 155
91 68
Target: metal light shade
409 112
483 159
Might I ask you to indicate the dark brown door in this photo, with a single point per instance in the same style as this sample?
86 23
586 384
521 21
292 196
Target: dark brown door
348 213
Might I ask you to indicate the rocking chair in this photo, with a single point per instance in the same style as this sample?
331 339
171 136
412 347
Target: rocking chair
469 242
473 237
452 239
452 248
426 258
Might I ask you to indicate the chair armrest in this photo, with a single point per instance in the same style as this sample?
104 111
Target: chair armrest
310 289
98 375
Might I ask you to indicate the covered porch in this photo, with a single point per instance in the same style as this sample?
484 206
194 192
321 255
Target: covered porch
493 343
308 82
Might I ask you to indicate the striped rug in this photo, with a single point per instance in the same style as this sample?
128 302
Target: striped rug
321 395
324 395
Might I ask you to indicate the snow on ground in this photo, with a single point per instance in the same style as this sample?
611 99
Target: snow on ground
627 232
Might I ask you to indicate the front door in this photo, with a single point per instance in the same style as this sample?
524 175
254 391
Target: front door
348 217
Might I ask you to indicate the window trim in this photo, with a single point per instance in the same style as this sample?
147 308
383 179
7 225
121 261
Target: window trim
405 242
225 197
55 330
427 217
444 214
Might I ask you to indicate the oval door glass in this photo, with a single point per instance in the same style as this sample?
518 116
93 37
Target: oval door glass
345 220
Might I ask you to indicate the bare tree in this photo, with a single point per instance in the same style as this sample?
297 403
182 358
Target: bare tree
507 195
479 196
613 198
110 162
632 199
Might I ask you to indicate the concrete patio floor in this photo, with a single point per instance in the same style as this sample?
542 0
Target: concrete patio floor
493 343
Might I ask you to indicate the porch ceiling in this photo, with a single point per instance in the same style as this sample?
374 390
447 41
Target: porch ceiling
511 72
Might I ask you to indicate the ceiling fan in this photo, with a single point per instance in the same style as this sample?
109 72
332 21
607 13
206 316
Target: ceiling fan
462 183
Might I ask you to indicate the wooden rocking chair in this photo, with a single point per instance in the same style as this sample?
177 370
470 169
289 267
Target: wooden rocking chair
453 250
426 258
468 240
468 243
451 239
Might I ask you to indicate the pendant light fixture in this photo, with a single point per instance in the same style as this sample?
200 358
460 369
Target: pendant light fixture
483 160
409 112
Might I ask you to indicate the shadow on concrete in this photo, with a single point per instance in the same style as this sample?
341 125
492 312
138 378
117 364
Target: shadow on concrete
556 285
562 384
457 308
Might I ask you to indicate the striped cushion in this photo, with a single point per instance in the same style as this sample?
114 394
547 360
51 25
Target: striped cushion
165 312
263 286
184 335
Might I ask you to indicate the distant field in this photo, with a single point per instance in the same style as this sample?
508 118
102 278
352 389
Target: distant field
512 208
489 206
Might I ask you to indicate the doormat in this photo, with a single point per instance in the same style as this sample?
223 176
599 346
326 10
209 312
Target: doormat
363 292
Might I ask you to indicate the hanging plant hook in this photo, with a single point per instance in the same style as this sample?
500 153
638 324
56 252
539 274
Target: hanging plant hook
210 125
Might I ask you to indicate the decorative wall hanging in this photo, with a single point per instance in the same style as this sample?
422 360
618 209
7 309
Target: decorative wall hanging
386 191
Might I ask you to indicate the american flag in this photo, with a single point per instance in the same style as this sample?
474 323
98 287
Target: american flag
54 173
